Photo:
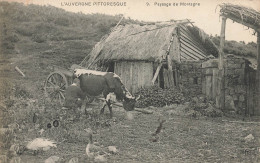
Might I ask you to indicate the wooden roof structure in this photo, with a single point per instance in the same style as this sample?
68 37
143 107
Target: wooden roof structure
240 14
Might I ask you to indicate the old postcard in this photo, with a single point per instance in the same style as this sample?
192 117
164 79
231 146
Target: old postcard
129 81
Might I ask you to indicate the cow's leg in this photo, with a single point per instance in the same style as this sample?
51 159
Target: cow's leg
105 94
110 108
84 106
103 108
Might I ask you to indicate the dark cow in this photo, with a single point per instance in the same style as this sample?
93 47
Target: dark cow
95 83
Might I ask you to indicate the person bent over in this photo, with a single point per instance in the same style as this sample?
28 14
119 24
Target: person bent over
74 96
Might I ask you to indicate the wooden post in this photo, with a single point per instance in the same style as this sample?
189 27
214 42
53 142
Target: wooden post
220 99
169 61
257 105
156 73
178 52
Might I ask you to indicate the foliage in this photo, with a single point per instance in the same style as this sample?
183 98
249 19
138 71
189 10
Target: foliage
26 27
38 38
237 48
201 106
156 96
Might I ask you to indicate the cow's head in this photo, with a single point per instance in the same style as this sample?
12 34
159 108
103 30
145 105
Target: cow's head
129 103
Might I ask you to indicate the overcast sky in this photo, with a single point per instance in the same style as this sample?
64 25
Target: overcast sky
205 16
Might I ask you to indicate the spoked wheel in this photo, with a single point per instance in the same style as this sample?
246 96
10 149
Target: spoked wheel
55 86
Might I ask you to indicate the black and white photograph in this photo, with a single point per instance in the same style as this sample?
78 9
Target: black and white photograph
129 81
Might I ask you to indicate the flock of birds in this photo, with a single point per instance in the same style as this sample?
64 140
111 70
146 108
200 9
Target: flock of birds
94 150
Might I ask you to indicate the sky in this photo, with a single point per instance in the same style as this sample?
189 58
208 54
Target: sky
205 16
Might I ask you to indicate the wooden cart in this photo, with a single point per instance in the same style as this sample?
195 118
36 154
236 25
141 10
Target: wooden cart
57 82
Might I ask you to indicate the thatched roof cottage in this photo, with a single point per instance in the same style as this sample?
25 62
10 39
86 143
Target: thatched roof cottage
140 54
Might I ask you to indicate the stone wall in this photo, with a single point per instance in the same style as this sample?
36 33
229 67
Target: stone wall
235 82
191 77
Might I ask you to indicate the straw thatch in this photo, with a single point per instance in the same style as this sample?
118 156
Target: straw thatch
134 42
240 14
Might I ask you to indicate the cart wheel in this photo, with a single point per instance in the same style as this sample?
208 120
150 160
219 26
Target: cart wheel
55 86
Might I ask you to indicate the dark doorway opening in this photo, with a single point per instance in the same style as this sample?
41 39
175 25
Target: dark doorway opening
111 67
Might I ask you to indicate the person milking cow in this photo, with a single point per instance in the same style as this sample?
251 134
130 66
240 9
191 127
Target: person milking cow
74 97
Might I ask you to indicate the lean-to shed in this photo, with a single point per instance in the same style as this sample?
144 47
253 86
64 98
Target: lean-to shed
135 51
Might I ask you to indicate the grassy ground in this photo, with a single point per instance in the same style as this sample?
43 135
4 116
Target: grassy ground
182 139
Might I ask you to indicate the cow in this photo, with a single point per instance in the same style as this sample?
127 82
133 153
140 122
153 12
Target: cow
108 84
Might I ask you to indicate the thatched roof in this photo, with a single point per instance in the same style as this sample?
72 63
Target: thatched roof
247 16
149 42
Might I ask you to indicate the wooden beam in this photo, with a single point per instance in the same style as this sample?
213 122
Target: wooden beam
169 61
258 76
241 22
177 44
156 72
19 71
194 49
220 99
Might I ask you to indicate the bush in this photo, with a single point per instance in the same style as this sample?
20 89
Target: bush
25 31
158 97
62 21
12 38
38 38
8 45
201 106
21 92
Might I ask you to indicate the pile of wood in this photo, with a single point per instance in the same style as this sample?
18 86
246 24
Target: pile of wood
240 14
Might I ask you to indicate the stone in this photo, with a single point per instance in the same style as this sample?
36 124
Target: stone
240 104
112 149
16 160
235 98
3 158
249 138
195 99
231 91
229 103
210 63
227 92
241 98
100 158
235 65
52 159
209 71
229 71
74 160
